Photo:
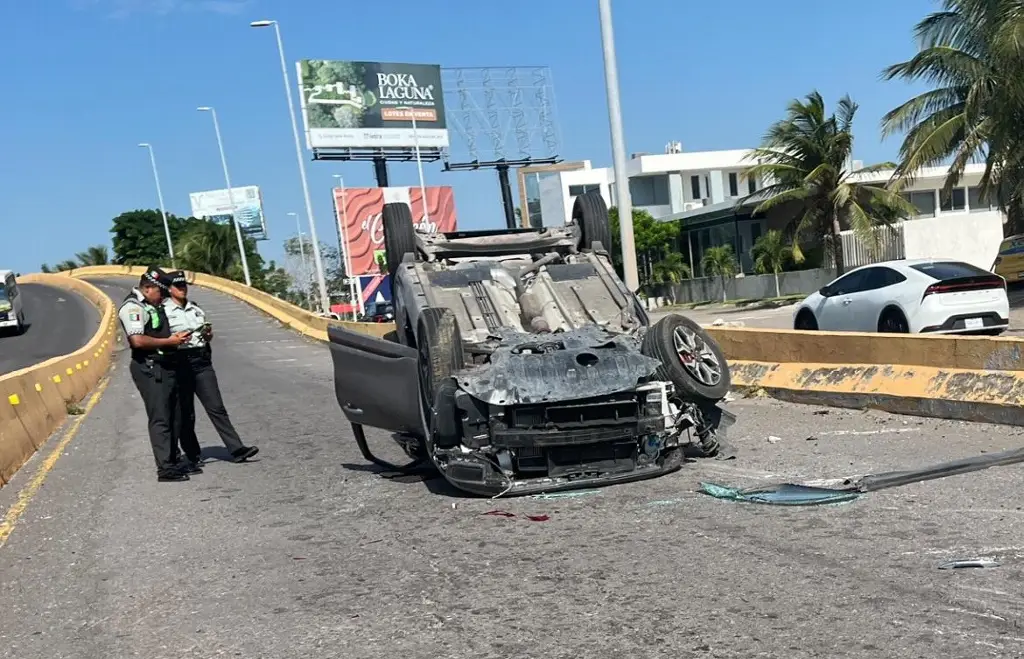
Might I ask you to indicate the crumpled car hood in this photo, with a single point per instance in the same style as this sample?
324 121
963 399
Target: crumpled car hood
592 363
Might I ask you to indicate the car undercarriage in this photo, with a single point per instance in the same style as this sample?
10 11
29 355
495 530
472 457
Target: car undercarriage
520 362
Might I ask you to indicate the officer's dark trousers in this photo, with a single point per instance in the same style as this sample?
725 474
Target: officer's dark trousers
156 385
198 379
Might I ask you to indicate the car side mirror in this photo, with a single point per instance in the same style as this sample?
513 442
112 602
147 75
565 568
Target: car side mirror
824 291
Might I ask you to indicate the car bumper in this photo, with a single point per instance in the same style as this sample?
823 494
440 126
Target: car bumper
8 323
561 445
968 323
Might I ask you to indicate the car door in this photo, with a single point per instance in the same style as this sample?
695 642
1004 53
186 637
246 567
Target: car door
835 312
876 294
376 381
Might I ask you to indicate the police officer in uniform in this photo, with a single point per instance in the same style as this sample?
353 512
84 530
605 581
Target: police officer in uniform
197 377
153 355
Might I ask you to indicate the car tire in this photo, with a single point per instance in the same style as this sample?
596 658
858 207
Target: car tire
805 321
590 214
399 234
892 321
439 354
690 359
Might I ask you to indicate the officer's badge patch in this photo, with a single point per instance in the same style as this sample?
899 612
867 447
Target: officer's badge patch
134 316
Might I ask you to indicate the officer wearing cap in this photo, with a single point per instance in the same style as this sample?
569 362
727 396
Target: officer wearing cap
153 353
197 377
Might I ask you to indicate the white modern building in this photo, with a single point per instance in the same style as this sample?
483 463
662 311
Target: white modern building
704 192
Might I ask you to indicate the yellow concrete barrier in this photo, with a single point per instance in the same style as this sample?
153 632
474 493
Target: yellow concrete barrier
34 401
300 320
941 351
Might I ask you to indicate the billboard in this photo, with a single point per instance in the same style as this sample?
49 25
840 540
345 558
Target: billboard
359 216
357 104
216 206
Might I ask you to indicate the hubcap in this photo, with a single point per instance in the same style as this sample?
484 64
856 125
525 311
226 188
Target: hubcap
696 356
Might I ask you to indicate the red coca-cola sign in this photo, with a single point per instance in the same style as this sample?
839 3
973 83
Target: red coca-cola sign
362 229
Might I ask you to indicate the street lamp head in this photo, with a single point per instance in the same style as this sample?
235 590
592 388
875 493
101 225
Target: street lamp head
204 108
144 145
262 23
289 213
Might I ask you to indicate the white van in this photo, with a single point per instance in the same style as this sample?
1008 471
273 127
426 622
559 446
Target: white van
12 314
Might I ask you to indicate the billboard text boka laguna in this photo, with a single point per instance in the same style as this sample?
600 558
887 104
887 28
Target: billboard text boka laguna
359 219
356 105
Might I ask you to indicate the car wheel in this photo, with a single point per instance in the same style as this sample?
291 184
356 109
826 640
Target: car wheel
805 320
892 321
590 214
439 354
399 234
690 359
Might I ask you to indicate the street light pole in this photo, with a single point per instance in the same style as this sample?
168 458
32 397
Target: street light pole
231 194
160 197
623 200
305 265
355 295
325 300
419 161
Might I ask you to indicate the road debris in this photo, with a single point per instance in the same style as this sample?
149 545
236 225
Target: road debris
563 495
783 494
968 563
504 513
772 439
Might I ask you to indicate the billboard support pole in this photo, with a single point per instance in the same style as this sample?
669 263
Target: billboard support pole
623 199
380 171
231 195
325 300
506 196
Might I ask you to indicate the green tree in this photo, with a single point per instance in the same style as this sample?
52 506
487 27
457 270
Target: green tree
139 237
66 265
95 255
972 52
278 282
45 268
806 160
670 270
771 252
213 249
719 262
654 241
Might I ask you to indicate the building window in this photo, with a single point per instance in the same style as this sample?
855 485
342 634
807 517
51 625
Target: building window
577 190
650 190
923 201
695 188
955 202
734 184
978 203
751 185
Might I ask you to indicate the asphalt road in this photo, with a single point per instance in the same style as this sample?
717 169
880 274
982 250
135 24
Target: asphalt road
60 322
306 552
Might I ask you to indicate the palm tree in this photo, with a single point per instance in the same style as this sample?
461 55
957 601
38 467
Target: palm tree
770 254
95 255
210 248
972 51
66 265
670 270
719 262
806 160
45 268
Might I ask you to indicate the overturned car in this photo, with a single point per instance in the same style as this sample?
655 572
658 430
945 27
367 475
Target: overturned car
521 363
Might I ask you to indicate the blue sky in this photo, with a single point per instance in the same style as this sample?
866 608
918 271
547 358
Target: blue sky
87 80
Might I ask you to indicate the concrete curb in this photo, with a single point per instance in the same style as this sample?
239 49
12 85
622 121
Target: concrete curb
34 401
